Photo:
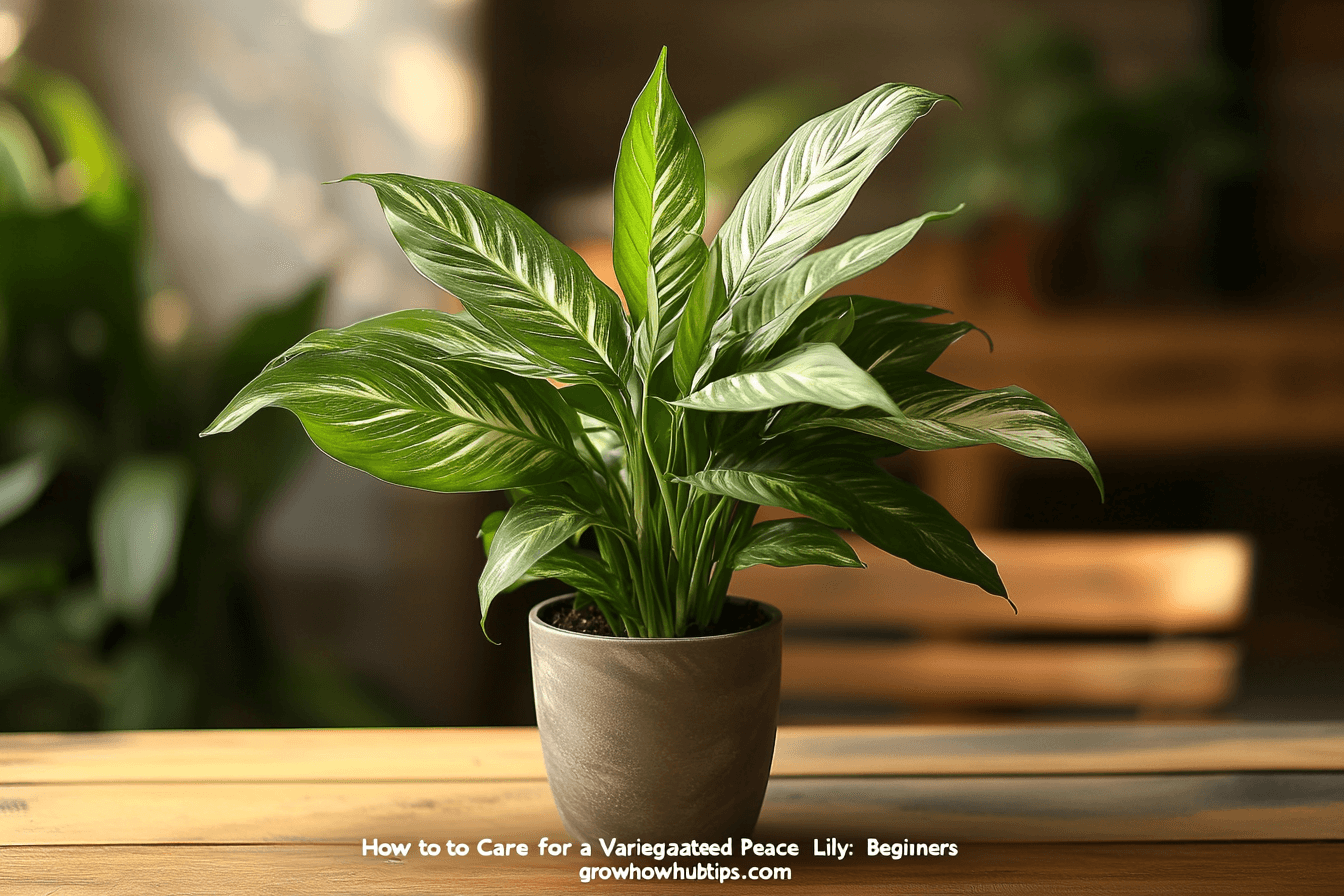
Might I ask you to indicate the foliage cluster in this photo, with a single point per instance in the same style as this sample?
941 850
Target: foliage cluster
728 381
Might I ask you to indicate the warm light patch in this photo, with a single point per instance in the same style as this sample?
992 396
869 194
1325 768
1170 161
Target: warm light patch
214 150
432 96
11 33
329 16
167 317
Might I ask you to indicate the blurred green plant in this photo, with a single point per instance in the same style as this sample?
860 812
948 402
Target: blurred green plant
124 601
1057 144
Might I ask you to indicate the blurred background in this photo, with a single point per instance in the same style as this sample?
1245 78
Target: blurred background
1154 238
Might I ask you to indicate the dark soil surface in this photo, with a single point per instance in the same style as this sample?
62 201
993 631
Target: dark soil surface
736 617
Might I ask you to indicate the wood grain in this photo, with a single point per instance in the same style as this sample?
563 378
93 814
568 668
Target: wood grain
1128 869
1115 583
1027 808
489 754
1185 674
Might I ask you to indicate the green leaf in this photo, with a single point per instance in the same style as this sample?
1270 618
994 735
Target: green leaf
582 570
590 400
530 530
819 373
659 204
531 292
853 494
937 413
22 482
888 337
585 572
458 337
797 542
705 305
769 312
806 186
383 403
835 326
136 523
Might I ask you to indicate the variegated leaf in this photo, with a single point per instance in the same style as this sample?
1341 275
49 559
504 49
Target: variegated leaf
387 404
659 204
523 286
768 313
800 194
852 494
796 542
819 373
530 530
937 413
458 337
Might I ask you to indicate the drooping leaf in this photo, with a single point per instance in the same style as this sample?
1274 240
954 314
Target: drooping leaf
526 288
706 303
852 494
819 373
136 524
530 530
800 194
768 313
22 482
659 204
796 542
583 571
383 403
937 413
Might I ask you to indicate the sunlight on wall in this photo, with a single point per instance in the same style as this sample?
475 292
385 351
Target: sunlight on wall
11 33
237 115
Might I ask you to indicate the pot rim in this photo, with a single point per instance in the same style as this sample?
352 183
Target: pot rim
776 619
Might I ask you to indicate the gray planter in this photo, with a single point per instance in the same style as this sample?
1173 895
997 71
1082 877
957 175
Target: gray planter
659 739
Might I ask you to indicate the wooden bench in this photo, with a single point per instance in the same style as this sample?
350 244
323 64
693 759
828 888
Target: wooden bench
1142 622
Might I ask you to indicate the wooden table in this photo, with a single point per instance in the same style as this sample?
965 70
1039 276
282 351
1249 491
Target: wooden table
1206 808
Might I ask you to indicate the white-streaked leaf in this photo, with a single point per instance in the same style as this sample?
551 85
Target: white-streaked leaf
659 198
22 482
457 336
819 373
938 413
136 524
534 294
386 403
530 530
800 194
796 542
851 494
769 312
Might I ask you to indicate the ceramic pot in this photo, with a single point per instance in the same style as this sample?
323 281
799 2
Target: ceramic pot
661 739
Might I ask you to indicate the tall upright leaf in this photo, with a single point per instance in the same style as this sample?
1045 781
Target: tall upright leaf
769 312
524 286
659 204
706 304
808 184
384 404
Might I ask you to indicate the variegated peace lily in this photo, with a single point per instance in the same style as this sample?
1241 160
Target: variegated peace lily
729 381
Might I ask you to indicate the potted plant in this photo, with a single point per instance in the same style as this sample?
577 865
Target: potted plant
656 430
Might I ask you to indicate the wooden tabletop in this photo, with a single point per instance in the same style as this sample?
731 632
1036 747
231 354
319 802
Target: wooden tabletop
1199 808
